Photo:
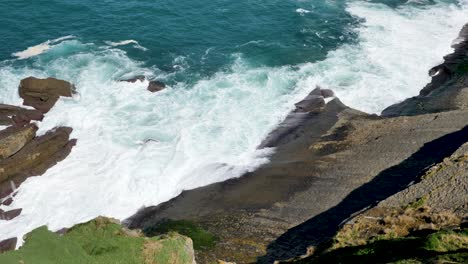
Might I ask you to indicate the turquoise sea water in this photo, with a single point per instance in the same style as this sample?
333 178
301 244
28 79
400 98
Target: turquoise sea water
234 70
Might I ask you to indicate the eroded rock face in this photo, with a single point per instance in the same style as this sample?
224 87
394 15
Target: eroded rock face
42 94
13 139
14 115
448 89
35 158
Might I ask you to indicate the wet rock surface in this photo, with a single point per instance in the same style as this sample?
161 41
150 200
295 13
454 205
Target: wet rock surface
331 163
13 115
8 215
42 94
8 244
153 85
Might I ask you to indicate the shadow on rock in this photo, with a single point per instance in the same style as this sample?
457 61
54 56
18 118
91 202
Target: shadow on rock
318 229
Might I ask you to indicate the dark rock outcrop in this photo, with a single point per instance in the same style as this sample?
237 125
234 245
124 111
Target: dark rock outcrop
447 89
13 115
42 94
8 244
35 158
153 86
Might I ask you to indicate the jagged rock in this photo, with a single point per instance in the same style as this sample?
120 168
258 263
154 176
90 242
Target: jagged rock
14 115
7 201
42 94
13 139
8 244
35 158
448 89
153 86
8 215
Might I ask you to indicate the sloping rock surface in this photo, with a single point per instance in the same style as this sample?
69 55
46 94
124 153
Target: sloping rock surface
331 162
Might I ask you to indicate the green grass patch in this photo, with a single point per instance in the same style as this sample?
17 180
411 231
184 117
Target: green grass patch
97 242
202 239
418 203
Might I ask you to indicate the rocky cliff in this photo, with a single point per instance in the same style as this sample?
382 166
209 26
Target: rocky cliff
332 163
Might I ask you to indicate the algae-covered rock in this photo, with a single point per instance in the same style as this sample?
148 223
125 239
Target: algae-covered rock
100 241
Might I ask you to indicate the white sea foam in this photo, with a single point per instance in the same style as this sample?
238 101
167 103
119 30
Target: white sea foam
136 148
39 49
127 42
302 11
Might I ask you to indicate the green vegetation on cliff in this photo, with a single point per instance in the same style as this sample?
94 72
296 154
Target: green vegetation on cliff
100 241
437 247
202 239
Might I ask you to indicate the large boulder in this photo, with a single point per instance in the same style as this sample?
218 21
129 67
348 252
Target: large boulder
14 138
35 158
14 115
42 94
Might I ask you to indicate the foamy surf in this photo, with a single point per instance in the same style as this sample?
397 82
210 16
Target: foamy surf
40 48
126 42
302 11
136 148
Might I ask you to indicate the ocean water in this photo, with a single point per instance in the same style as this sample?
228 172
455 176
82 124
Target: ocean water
234 69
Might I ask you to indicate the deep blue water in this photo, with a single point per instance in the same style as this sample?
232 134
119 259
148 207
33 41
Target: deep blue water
205 33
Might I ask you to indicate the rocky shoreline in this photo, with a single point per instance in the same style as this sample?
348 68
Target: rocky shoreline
331 163
334 168
22 152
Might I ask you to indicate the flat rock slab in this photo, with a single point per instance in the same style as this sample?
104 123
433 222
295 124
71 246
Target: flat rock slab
42 94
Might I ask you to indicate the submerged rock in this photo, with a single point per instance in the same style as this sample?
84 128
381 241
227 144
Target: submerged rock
35 158
153 86
156 86
42 94
14 115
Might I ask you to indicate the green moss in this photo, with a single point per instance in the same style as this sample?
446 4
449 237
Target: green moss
418 203
97 242
446 241
202 239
